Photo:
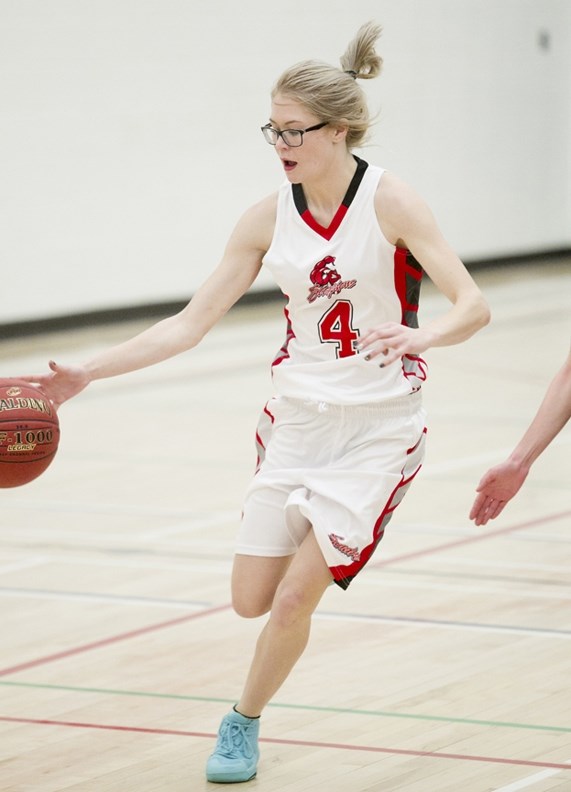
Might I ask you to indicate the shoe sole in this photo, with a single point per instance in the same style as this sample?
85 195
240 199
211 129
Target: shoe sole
220 780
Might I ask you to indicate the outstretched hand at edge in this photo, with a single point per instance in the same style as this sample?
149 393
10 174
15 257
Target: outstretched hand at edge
60 383
496 488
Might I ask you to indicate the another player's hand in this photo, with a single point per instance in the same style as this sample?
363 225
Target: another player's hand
60 383
390 341
496 488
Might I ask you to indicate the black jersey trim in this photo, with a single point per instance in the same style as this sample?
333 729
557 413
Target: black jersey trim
301 203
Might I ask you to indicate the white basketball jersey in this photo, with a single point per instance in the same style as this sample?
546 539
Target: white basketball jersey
340 281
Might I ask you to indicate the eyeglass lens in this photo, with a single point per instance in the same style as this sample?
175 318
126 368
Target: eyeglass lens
291 137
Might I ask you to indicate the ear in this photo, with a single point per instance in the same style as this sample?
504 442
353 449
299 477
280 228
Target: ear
340 130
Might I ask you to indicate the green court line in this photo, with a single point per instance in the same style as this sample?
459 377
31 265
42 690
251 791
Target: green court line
306 707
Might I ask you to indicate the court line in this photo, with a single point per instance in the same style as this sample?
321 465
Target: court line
115 599
163 562
18 566
216 519
175 562
299 707
442 573
452 625
532 590
470 539
223 567
75 539
504 564
384 582
480 590
397 559
88 597
529 781
304 743
111 640
122 509
418 529
192 524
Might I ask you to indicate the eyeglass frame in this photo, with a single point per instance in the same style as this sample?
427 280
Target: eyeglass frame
280 133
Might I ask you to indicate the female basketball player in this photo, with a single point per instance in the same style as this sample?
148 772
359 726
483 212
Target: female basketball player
344 436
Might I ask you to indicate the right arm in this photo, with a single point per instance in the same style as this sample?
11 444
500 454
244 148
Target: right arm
233 276
502 482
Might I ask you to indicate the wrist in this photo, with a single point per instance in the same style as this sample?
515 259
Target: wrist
521 460
90 372
432 337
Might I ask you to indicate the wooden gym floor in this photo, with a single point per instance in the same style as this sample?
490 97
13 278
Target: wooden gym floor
445 667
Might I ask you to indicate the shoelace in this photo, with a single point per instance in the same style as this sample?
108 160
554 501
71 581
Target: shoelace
233 741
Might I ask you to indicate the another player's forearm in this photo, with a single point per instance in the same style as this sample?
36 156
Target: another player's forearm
553 414
502 482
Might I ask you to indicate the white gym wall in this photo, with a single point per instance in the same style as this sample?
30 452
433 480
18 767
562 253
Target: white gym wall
130 139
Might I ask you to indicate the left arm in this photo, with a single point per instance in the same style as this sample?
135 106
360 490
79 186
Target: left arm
406 221
502 482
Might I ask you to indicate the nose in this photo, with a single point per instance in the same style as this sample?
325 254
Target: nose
281 144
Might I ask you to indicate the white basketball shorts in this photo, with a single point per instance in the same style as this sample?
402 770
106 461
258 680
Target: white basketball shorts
339 470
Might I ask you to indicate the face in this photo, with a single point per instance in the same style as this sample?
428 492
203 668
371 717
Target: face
301 163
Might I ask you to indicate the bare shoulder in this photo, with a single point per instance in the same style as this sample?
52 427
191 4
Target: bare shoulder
256 226
400 208
242 258
393 188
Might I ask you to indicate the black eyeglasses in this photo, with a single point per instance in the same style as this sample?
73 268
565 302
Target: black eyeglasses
291 137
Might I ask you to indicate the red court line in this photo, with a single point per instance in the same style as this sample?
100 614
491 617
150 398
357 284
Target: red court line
305 743
469 540
172 622
112 640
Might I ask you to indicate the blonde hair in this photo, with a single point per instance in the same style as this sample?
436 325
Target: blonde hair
332 94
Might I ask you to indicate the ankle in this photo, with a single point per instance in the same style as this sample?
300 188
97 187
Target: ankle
243 714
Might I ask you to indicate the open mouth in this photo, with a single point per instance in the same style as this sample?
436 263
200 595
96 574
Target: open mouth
289 164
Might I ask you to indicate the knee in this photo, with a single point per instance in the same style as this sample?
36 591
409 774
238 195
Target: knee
289 606
249 607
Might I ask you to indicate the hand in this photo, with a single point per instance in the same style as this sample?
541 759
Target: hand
61 383
390 341
496 488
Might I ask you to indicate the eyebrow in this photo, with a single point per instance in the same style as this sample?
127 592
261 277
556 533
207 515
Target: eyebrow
288 124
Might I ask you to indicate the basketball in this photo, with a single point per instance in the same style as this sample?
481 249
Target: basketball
29 432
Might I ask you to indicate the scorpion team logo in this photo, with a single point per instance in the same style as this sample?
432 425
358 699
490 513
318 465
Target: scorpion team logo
324 272
326 280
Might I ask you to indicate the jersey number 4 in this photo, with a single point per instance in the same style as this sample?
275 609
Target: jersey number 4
336 327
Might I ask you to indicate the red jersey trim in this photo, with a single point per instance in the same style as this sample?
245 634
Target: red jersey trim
283 352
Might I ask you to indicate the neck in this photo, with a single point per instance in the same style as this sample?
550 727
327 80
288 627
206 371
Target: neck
324 195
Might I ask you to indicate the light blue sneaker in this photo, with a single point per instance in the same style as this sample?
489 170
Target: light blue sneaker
236 755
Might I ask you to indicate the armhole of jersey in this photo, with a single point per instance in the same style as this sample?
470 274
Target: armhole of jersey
381 232
282 193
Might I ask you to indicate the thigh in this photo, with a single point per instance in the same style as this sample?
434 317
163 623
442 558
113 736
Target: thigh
307 577
255 580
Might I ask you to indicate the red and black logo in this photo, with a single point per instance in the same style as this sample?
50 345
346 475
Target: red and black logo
324 272
326 280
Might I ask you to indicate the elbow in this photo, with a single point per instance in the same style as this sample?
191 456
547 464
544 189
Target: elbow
484 313
478 310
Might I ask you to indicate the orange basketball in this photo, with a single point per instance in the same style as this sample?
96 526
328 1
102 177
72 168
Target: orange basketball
29 432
